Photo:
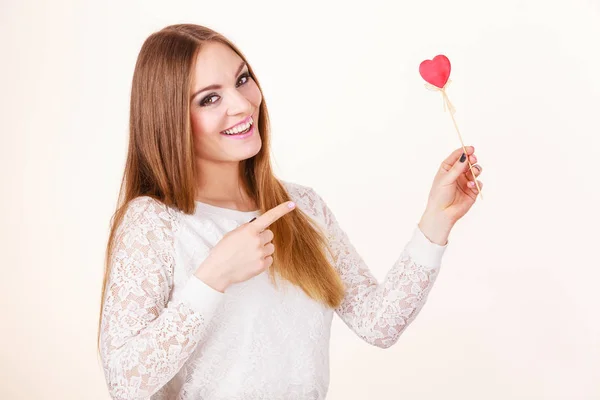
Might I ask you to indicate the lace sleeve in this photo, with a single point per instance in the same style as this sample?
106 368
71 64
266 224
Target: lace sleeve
379 313
145 338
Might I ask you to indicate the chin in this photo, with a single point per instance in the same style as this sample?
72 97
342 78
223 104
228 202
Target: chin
255 152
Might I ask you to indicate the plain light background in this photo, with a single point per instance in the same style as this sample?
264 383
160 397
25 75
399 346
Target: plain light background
514 312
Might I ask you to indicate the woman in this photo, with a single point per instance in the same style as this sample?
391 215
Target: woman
188 308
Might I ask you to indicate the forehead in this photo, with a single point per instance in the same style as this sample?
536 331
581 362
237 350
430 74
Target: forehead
215 62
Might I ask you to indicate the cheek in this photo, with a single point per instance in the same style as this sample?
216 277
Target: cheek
196 126
203 124
254 95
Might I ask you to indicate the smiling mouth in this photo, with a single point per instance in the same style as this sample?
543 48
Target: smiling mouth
240 128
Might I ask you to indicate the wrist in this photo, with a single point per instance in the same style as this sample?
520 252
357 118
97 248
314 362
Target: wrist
209 276
435 227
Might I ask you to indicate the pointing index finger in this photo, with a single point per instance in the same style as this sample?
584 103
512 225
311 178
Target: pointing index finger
272 215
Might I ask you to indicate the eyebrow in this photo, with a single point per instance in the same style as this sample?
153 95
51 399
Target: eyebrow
212 87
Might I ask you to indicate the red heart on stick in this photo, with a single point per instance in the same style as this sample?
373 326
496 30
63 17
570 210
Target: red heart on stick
436 71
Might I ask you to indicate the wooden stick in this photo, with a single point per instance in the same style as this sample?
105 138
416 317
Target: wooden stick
451 108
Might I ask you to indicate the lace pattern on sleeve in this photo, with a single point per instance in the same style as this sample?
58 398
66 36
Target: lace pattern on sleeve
145 339
377 312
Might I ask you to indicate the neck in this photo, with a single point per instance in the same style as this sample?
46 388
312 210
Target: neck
220 184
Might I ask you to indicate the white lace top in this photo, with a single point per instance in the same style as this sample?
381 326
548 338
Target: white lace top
165 334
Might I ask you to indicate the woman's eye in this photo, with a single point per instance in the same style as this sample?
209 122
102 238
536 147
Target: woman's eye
246 76
206 101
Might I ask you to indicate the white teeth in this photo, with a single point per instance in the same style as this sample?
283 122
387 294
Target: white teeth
240 128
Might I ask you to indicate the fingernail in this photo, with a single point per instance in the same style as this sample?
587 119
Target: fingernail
291 204
463 157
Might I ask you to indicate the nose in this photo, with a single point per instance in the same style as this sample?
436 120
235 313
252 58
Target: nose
238 104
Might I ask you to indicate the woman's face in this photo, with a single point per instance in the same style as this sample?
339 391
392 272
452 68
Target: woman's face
223 96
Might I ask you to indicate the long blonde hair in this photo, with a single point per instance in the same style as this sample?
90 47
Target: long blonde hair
160 162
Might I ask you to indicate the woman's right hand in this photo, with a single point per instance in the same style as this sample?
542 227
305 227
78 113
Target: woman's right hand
243 252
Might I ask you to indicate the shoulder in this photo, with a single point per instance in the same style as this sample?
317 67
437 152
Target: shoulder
306 198
148 214
297 190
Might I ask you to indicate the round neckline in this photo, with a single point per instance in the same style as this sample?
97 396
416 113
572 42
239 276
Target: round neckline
226 212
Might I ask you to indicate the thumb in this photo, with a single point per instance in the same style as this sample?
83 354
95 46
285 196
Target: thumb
459 167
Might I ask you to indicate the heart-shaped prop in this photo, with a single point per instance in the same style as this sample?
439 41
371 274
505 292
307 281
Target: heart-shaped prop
436 71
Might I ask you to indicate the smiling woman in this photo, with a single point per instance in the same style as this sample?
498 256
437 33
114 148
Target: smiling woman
196 303
229 109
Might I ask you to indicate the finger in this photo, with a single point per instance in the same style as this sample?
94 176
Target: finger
457 171
455 155
269 261
269 249
471 185
272 215
476 168
266 236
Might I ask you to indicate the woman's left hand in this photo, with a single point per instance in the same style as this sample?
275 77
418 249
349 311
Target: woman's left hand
451 195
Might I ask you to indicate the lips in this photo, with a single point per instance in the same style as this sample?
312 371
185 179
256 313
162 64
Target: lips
239 123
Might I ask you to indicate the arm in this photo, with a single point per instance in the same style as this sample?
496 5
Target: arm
379 313
145 338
